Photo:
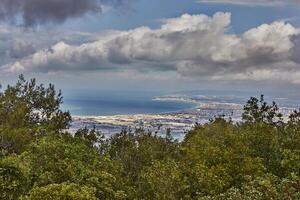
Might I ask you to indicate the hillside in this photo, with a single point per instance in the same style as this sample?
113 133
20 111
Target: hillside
257 158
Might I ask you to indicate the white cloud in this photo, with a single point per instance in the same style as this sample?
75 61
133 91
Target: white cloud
191 45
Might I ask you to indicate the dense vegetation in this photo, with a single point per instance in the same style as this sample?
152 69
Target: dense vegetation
258 158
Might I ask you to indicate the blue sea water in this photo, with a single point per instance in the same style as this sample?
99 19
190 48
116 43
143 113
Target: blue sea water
105 103
112 102
87 103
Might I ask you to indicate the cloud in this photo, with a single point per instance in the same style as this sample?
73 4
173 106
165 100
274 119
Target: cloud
196 46
38 12
20 49
253 2
296 49
16 43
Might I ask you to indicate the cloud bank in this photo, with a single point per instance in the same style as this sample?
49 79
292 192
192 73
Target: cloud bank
37 12
196 46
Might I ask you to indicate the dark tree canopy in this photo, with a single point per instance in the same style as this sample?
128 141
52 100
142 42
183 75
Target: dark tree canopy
258 110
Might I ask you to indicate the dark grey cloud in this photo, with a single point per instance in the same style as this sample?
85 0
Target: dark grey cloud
37 12
20 49
296 49
117 3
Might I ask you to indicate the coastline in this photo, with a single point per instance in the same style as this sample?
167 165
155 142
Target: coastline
179 122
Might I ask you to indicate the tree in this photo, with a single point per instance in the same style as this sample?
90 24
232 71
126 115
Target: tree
138 150
215 158
63 191
162 180
12 181
28 110
256 111
257 158
56 159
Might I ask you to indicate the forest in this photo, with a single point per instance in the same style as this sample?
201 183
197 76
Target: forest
257 158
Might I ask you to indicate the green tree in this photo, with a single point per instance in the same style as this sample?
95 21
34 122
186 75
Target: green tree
63 191
28 110
257 158
258 110
162 180
215 158
57 159
13 183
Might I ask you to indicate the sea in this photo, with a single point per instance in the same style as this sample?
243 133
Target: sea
111 111
107 103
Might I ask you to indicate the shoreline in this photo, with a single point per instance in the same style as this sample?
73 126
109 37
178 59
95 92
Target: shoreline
179 122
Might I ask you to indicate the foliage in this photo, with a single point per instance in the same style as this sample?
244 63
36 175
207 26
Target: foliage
57 159
62 191
28 110
12 181
162 180
257 158
256 111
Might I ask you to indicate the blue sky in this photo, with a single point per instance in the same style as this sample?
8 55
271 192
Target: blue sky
149 13
117 48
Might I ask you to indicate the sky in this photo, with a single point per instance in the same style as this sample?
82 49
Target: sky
145 45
